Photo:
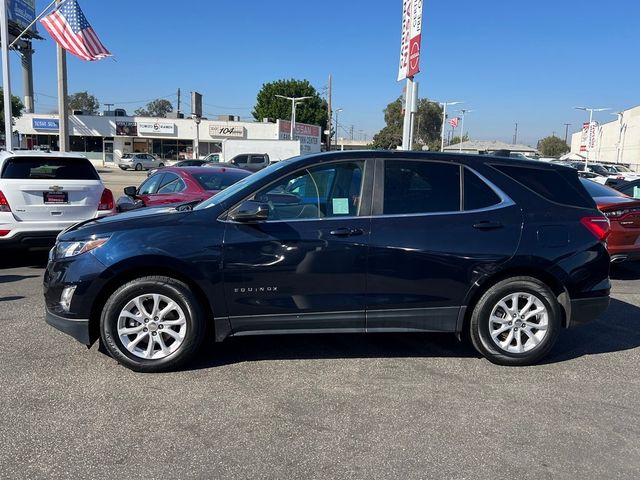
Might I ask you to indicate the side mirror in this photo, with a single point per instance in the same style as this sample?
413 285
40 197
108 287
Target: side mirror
250 211
124 204
130 191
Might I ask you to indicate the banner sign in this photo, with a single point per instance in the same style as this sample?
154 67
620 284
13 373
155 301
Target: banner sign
156 127
226 130
593 133
22 12
583 136
45 123
309 135
410 40
588 138
127 129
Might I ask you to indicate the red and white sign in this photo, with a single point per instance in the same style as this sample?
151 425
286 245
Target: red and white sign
411 39
589 135
309 135
584 136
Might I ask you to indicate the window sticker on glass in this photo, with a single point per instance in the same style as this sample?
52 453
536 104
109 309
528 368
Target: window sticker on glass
636 192
341 206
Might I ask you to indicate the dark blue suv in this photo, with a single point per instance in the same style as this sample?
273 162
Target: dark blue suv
505 252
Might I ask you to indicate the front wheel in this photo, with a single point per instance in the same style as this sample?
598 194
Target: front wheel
161 165
138 167
516 322
152 324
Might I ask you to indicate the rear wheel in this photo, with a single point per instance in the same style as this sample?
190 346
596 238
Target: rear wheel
138 166
152 324
516 322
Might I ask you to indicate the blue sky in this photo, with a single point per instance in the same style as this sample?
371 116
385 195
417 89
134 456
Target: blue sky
510 61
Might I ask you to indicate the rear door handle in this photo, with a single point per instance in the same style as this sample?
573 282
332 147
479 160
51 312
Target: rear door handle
346 232
487 225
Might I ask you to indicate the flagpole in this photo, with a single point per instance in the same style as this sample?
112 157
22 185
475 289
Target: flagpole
63 143
6 80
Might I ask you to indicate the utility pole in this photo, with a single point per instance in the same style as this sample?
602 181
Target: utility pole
329 113
566 132
6 82
515 135
63 101
178 109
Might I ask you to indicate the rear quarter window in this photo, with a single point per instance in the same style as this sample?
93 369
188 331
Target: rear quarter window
34 168
553 185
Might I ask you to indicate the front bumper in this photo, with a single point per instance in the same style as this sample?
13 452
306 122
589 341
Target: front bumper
78 328
586 310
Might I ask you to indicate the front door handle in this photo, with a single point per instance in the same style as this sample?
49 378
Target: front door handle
487 225
346 232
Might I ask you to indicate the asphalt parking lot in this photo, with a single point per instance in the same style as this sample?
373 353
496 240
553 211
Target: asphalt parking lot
324 406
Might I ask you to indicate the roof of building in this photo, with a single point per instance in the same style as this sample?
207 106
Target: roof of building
489 146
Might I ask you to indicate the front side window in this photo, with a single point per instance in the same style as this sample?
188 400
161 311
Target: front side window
332 190
412 186
256 159
151 185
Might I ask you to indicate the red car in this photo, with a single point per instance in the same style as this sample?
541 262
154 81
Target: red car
179 185
623 213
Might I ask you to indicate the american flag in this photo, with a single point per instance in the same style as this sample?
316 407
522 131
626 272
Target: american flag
69 28
454 122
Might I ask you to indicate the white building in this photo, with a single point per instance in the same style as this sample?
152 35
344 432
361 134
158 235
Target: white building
617 141
106 138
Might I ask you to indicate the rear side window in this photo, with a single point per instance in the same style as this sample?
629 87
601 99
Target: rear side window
23 168
556 186
218 181
477 194
420 187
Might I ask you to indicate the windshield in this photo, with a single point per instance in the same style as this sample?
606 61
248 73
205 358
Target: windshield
597 190
241 185
622 168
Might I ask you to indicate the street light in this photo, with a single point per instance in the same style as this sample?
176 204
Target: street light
620 116
590 110
337 111
463 112
444 120
294 101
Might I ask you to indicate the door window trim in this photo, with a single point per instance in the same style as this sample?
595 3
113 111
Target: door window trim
378 192
365 194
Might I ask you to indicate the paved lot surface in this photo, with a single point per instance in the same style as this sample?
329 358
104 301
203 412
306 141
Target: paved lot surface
116 179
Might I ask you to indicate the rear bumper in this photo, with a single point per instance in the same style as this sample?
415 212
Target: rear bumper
77 328
586 310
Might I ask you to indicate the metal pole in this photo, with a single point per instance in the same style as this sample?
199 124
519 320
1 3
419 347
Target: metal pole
444 121
566 132
63 101
461 132
329 119
515 135
337 111
27 76
6 81
406 126
293 117
586 162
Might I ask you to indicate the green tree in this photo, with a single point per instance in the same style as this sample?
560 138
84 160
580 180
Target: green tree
16 109
312 110
427 123
552 146
84 101
456 140
155 108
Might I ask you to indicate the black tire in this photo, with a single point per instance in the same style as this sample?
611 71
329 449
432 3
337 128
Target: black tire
178 292
161 165
138 167
479 326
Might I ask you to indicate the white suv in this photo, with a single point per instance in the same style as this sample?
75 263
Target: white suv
42 194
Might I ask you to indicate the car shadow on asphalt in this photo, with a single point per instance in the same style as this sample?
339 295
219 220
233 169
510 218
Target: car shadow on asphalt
616 331
328 346
625 271
23 258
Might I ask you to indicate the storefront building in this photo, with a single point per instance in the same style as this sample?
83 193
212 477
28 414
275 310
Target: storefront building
106 138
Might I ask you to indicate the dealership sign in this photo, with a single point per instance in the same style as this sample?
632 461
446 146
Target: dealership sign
410 40
309 135
156 127
588 137
22 12
226 130
45 124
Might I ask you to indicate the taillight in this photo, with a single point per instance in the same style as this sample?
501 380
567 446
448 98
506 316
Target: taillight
106 201
599 226
4 205
4 233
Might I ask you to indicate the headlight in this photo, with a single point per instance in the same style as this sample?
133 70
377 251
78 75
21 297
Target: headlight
71 249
